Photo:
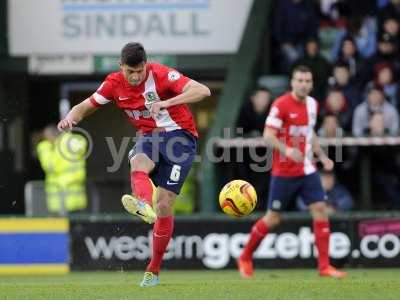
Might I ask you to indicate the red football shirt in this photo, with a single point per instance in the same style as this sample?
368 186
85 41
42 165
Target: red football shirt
161 83
295 123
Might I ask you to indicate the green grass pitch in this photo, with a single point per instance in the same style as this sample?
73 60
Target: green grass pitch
269 284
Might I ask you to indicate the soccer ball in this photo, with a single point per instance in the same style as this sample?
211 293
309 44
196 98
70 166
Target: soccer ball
238 198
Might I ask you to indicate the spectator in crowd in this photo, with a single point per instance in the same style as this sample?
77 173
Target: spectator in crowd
253 113
330 127
319 66
294 21
390 10
387 52
391 26
349 55
375 116
363 31
377 125
338 197
336 104
341 79
385 78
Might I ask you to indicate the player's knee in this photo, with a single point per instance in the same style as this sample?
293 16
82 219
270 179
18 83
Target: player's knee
141 162
164 208
319 210
165 202
272 220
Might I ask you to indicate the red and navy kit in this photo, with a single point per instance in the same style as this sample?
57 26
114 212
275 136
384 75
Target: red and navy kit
172 147
161 83
294 121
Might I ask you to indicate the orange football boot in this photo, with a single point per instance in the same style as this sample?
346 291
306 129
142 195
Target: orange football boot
331 271
245 267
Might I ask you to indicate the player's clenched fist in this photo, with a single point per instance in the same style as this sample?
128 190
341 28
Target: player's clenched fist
327 163
156 108
66 124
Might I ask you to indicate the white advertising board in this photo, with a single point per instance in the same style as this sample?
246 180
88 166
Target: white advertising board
49 27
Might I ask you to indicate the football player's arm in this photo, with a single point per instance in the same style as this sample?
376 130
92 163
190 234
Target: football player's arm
77 114
192 92
320 153
270 136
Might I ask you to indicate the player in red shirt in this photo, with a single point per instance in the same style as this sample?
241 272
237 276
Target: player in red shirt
154 98
290 131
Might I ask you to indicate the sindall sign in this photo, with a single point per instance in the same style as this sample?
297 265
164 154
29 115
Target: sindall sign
197 245
104 26
114 18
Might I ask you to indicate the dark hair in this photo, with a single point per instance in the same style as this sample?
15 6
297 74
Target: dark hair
347 38
334 89
342 64
260 89
301 69
133 54
374 87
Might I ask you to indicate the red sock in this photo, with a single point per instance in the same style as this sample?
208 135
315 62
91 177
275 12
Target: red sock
322 233
142 187
162 233
258 232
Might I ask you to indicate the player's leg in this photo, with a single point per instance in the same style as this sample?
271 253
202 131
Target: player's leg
259 230
172 171
281 192
140 202
141 185
163 228
314 196
162 233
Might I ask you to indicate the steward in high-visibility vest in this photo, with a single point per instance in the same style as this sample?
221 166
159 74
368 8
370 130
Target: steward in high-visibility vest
62 157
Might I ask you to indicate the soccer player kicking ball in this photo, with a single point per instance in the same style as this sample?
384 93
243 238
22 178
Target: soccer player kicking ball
154 98
289 130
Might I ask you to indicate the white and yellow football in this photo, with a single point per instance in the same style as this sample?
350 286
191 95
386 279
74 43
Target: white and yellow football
238 198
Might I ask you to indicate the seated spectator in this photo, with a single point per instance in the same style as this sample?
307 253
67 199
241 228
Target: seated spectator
341 79
349 55
387 53
363 31
390 10
385 78
293 22
338 197
336 104
330 127
365 121
253 112
377 125
391 26
319 66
